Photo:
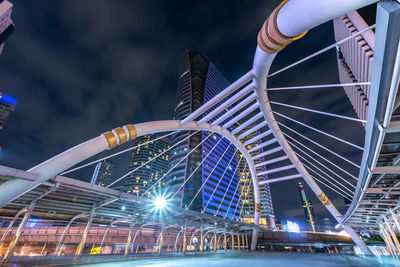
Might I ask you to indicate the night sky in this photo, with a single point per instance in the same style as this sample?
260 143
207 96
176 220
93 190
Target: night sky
80 68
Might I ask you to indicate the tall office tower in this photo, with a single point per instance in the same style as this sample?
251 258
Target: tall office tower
7 105
307 206
139 181
199 81
247 201
102 173
6 24
356 55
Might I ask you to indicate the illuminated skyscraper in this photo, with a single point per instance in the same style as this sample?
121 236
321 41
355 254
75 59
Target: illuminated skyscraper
6 24
7 105
247 200
139 181
199 81
307 206
102 173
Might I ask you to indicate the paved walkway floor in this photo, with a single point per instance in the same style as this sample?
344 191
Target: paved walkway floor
225 259
273 259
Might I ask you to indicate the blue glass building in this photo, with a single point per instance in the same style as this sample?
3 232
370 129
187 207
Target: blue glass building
199 81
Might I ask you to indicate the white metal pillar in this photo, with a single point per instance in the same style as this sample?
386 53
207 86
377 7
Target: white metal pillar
128 241
184 241
81 245
11 224
60 242
18 233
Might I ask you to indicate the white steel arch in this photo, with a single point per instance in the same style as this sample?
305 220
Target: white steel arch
109 140
288 22
281 28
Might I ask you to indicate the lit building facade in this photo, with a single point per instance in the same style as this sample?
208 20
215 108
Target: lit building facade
355 57
7 105
6 24
199 81
139 181
247 200
307 206
102 173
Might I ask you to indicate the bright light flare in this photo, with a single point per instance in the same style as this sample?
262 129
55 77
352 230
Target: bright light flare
160 203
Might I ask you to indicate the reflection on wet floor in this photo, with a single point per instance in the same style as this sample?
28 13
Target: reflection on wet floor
274 259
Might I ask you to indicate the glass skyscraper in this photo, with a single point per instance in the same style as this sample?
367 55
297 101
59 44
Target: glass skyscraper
247 200
307 206
199 81
139 181
102 173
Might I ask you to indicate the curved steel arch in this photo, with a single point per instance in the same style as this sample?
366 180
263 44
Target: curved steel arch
282 27
109 140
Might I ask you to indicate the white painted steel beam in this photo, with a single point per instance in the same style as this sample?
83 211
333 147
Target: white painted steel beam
262 145
234 110
319 112
383 190
280 179
271 161
268 152
241 115
252 130
288 24
297 16
224 105
338 85
387 170
226 92
258 137
394 127
247 122
284 168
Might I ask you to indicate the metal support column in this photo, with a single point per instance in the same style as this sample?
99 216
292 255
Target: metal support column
81 245
201 240
11 224
243 243
393 235
18 233
215 240
238 241
160 240
184 241
396 222
225 244
388 241
247 242
233 241
60 242
176 240
44 247
128 241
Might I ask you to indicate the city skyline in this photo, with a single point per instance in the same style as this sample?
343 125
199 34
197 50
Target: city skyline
199 132
53 94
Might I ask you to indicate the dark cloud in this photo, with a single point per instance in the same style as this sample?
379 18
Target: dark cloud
79 68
